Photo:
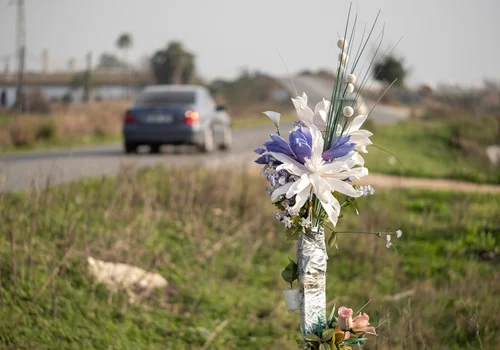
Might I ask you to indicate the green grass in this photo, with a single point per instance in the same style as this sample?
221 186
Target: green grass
212 235
434 149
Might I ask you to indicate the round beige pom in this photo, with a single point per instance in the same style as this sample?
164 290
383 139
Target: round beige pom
348 111
351 78
343 58
350 87
342 44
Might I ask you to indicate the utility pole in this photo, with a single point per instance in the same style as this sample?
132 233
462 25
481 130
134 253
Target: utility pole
21 52
88 78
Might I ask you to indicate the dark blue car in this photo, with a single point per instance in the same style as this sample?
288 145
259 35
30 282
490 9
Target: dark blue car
176 115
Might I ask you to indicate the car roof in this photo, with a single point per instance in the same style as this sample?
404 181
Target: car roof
174 88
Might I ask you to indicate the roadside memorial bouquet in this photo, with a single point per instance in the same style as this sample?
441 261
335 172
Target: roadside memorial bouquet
311 175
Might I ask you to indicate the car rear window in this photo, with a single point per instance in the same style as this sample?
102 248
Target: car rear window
171 97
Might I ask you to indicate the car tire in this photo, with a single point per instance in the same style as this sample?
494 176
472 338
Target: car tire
208 144
227 138
130 148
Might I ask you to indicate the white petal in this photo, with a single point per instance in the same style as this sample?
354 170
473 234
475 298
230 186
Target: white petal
360 133
298 186
304 113
361 149
317 141
283 158
274 116
280 191
357 122
334 167
352 159
333 215
295 170
321 188
301 198
356 173
319 119
322 106
343 187
356 160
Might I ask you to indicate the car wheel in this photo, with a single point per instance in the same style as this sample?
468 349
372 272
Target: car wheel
154 148
208 144
227 138
130 148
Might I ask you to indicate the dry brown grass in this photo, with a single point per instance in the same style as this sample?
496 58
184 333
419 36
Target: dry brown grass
65 123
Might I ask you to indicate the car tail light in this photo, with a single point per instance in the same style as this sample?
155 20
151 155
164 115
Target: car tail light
129 118
191 117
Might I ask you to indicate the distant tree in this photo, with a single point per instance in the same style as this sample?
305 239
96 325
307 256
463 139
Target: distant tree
173 65
389 69
109 61
124 43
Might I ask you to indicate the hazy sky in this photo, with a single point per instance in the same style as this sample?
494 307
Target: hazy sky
443 40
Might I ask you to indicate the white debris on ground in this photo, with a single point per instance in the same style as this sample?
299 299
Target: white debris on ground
493 153
136 281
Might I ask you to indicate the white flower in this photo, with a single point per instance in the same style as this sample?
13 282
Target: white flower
360 137
287 221
351 78
350 88
305 222
348 111
342 44
274 116
307 116
320 178
399 233
388 238
388 245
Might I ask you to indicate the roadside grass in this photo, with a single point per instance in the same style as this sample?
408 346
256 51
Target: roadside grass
212 235
452 149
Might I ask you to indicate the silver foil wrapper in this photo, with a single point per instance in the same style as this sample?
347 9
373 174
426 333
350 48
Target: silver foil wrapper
312 261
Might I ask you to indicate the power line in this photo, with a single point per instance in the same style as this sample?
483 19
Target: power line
21 51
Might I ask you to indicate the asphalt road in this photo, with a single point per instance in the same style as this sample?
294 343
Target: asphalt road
37 169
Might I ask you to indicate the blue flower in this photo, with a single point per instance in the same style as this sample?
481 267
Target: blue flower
299 147
340 148
300 143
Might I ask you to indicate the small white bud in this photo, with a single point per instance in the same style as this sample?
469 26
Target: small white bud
348 111
342 44
350 88
399 233
351 78
388 238
343 58
388 245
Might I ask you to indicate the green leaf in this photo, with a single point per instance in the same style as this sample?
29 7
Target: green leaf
312 337
290 273
332 314
294 232
332 241
327 335
320 327
355 341
324 347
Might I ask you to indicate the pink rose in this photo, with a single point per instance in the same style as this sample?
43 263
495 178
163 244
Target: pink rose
345 318
361 323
